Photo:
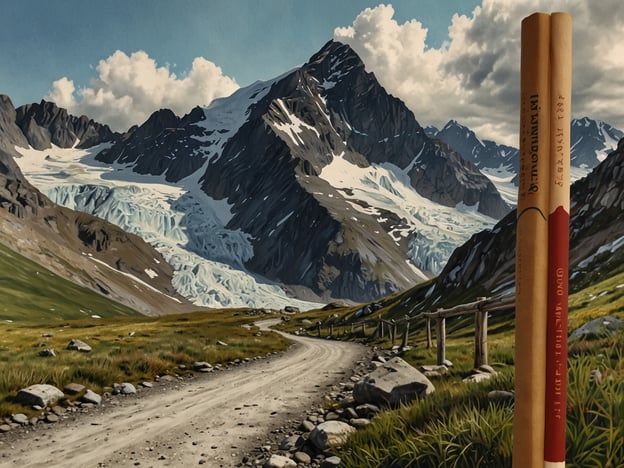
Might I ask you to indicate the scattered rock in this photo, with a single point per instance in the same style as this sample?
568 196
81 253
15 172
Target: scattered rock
434 371
221 343
39 394
501 396
127 389
5 428
307 426
74 388
367 410
479 377
359 423
447 363
51 418
487 369
330 462
78 345
48 352
91 397
302 457
202 366
279 461
19 418
330 434
395 383
147 384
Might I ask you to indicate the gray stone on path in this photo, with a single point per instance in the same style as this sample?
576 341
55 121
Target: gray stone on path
302 457
19 418
307 426
395 383
91 397
4 428
202 366
78 345
39 394
51 418
127 388
330 434
279 461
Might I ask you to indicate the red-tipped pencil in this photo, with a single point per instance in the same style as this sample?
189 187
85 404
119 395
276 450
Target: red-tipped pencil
558 240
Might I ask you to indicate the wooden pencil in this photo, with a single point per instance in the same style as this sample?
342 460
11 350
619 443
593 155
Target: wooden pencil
532 243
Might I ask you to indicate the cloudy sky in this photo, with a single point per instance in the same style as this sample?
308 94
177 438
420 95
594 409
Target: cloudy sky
118 61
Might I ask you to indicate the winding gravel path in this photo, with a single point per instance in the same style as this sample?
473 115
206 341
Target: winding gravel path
210 421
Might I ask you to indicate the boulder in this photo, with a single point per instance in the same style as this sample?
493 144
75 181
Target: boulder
330 434
602 327
48 352
39 394
78 345
394 383
202 366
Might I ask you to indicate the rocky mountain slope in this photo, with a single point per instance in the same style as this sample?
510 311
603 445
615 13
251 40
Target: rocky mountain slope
485 265
280 153
77 246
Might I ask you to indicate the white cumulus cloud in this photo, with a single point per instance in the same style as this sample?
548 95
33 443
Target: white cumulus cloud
475 76
129 88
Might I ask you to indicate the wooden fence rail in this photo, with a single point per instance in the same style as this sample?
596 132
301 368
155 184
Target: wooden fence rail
481 308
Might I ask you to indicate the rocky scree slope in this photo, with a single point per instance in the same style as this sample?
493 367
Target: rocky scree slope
268 150
77 246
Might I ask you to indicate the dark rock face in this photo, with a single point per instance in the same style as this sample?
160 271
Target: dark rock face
589 138
164 144
10 133
268 168
485 265
45 124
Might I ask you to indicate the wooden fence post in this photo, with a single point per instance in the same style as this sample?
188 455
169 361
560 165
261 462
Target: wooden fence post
318 327
394 331
381 328
331 329
406 334
352 329
480 344
441 339
364 329
428 333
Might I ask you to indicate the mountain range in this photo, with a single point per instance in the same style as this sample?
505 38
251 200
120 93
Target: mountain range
591 142
313 186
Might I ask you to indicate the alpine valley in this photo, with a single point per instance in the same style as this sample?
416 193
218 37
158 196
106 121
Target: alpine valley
314 186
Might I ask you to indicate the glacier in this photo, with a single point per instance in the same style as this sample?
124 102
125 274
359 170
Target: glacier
184 224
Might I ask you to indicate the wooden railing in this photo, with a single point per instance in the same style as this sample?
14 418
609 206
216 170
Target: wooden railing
481 308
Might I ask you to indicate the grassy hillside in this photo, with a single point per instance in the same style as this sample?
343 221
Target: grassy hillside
124 349
30 292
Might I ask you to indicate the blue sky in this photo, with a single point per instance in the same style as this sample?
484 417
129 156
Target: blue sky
43 40
118 61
